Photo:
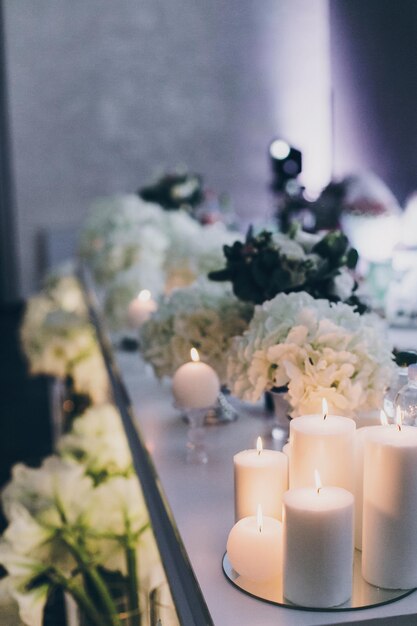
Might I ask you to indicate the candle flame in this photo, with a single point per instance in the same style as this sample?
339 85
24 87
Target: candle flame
383 418
195 357
324 408
317 480
398 418
144 295
259 445
259 518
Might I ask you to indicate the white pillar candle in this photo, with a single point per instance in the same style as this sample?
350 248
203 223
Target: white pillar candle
389 550
141 309
261 477
360 438
318 546
322 442
254 547
287 450
195 385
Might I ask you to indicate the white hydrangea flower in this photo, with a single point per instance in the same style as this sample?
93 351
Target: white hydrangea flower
317 349
132 245
205 315
121 231
97 441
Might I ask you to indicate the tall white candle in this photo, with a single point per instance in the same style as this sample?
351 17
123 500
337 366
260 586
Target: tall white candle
141 308
318 546
195 385
261 477
389 550
254 547
322 442
360 438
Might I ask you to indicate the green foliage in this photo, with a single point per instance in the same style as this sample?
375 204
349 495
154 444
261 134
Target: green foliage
175 191
263 266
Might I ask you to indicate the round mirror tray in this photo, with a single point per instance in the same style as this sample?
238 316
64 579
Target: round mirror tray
364 595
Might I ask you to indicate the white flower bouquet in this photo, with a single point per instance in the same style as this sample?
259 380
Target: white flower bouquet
317 350
132 245
120 232
78 524
59 341
205 316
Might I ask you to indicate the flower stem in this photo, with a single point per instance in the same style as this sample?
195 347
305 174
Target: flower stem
133 585
79 595
92 575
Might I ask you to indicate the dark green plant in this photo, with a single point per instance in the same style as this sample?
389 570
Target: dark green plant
259 268
175 191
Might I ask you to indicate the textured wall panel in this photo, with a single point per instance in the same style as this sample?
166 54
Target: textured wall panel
105 92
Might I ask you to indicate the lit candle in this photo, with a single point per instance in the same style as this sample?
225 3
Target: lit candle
261 476
324 442
361 435
389 551
254 547
141 309
195 385
318 546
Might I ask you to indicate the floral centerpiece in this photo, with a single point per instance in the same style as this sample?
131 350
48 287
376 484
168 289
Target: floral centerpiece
267 264
315 348
58 339
130 245
120 232
182 190
205 316
58 536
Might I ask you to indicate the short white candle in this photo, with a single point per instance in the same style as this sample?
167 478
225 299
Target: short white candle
389 550
195 385
141 309
318 546
323 442
254 547
261 477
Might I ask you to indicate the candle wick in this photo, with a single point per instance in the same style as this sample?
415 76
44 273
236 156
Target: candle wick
324 416
399 427
259 452
318 489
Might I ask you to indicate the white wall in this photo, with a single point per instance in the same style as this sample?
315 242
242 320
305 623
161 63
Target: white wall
104 93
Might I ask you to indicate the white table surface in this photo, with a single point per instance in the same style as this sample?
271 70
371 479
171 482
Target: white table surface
201 498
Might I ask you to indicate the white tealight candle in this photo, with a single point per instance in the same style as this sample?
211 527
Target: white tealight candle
389 538
318 546
261 477
195 385
254 547
323 442
141 309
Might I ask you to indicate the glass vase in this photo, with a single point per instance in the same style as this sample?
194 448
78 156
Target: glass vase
278 425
